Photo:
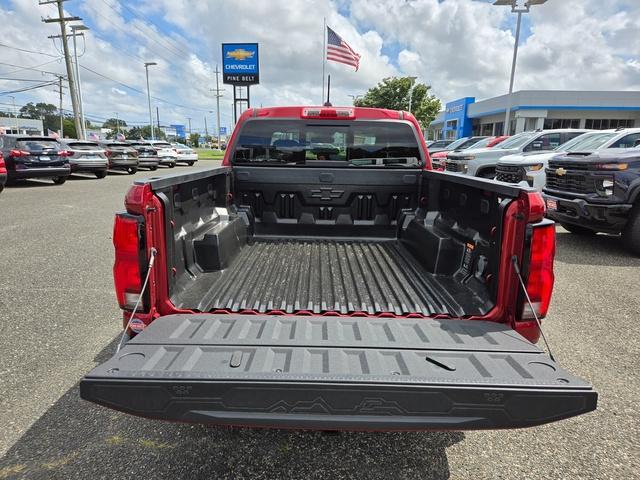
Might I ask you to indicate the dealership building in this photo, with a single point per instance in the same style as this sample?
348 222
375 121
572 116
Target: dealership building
537 109
24 126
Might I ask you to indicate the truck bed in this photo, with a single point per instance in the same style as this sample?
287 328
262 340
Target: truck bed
318 276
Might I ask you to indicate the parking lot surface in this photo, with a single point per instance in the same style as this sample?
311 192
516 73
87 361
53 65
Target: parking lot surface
59 318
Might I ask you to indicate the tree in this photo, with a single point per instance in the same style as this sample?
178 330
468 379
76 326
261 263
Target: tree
46 112
194 139
393 93
69 128
136 133
113 123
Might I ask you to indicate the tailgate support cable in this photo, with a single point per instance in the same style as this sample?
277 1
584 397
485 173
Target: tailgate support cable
144 287
514 259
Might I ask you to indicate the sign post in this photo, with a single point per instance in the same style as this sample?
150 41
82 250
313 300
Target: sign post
240 68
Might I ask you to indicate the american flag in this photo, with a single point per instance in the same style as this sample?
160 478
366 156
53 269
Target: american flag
52 133
339 51
93 136
120 137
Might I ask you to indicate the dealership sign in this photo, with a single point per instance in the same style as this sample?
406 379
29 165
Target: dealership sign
240 63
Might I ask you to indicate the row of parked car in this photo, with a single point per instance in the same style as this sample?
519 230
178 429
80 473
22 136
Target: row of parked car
24 157
590 179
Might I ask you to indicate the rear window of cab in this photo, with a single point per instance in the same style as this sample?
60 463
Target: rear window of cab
309 143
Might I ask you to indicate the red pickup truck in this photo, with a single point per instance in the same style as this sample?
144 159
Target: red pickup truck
325 277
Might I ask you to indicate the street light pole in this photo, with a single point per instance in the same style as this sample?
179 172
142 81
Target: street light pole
146 69
519 7
355 98
117 122
83 127
413 81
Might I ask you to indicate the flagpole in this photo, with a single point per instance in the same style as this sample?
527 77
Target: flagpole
324 52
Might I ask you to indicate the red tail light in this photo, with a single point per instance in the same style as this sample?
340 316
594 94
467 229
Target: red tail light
540 271
64 153
3 167
108 153
19 153
127 274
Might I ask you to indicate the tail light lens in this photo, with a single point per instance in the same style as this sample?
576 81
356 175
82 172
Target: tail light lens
129 254
3 167
19 153
540 275
64 153
108 153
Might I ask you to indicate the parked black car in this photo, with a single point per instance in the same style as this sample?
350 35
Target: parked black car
34 157
598 192
121 155
147 155
86 156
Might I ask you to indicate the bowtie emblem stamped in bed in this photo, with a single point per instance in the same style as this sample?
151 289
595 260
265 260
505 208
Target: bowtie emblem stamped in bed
326 193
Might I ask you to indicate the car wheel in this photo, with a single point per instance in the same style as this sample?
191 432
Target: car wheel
131 170
171 165
490 174
578 230
153 169
101 174
1 187
59 180
631 232
191 163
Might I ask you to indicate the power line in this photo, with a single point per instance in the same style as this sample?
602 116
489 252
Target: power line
27 50
34 67
176 51
33 87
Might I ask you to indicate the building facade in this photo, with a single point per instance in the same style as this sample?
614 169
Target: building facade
21 126
537 109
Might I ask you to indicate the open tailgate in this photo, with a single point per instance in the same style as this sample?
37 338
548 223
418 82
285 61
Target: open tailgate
336 373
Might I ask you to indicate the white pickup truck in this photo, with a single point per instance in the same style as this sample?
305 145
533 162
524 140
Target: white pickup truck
482 162
530 168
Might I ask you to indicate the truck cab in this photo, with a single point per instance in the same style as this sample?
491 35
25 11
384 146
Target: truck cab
325 277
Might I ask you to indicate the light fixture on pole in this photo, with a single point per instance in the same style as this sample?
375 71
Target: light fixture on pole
117 122
519 7
355 98
146 68
74 33
413 81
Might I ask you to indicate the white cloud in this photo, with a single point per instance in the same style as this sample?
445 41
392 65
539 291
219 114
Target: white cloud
460 47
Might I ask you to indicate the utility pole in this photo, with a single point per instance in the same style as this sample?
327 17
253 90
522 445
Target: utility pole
218 95
74 29
158 118
146 68
15 113
67 57
117 122
206 132
61 132
189 120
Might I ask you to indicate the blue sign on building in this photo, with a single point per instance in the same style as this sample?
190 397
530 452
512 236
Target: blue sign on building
223 130
456 122
180 130
240 63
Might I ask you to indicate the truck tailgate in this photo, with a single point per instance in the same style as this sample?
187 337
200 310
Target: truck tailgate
336 373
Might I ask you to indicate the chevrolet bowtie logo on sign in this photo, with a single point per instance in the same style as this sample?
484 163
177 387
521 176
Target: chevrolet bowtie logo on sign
240 54
561 171
240 63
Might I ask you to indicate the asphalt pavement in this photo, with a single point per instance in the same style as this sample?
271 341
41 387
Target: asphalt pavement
59 318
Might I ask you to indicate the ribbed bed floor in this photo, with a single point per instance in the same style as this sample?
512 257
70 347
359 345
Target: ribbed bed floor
328 276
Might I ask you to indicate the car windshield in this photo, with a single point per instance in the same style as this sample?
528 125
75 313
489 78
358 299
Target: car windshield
303 142
83 145
482 143
517 140
37 144
162 145
180 145
457 143
589 143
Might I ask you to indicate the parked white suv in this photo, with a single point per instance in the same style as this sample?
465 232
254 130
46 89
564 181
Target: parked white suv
530 168
166 153
482 162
